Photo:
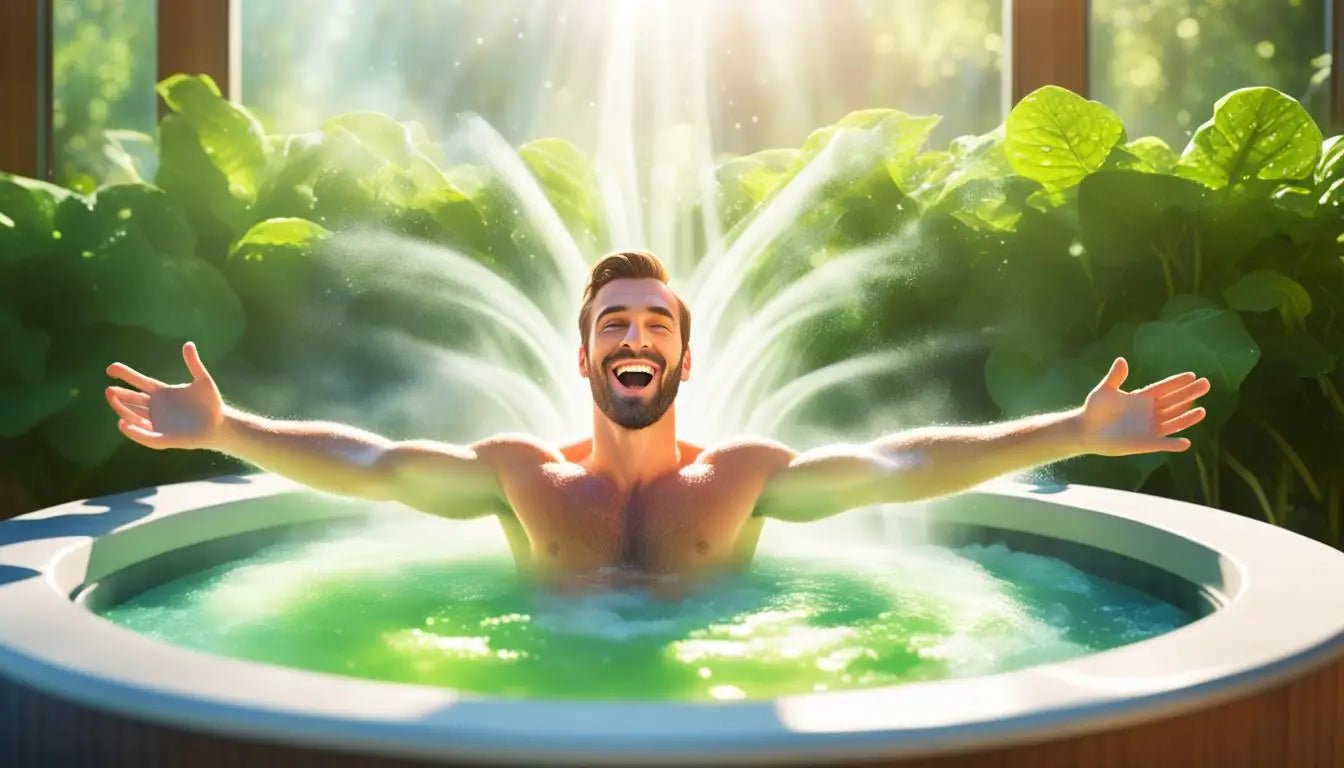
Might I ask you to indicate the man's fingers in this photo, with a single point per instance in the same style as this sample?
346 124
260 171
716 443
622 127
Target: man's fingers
1175 444
1184 421
1116 376
192 356
1168 385
133 377
1185 394
135 416
142 436
129 396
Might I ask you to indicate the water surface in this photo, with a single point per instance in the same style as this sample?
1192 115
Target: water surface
407 601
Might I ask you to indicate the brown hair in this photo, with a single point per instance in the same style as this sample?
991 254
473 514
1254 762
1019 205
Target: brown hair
628 264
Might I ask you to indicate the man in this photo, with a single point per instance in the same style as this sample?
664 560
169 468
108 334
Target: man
633 502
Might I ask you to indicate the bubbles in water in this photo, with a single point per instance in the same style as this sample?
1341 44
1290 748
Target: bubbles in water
413 600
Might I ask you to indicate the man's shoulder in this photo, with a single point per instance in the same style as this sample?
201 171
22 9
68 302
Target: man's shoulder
749 452
517 449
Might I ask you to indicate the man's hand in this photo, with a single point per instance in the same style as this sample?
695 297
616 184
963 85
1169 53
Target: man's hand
168 415
1118 423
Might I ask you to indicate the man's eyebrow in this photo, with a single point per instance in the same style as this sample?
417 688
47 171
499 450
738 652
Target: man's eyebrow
654 308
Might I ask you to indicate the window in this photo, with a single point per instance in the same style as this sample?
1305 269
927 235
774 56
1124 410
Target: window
758 73
103 75
1163 63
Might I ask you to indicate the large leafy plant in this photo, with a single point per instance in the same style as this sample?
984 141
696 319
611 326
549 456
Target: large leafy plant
1046 247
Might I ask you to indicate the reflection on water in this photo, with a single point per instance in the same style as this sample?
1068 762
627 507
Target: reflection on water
411 603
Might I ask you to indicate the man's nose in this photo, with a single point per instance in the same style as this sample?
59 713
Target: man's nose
635 336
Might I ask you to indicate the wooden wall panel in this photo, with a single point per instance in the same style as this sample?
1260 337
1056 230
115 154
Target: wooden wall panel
1337 65
25 87
1048 46
1298 723
200 37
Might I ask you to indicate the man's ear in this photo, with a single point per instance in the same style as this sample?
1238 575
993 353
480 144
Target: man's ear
686 364
583 362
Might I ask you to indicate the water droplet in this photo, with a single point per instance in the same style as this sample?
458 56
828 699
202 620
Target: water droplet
124 214
480 41
705 673
87 254
55 234
737 126
1046 163
546 85
1045 148
520 35
755 119
1075 248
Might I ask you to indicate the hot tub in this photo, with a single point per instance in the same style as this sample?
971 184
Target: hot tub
1257 680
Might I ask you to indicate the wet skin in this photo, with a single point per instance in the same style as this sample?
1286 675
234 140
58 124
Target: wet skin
569 526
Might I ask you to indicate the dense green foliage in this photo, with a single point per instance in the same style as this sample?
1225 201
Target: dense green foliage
1053 244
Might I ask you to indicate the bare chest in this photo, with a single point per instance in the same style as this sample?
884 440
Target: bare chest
578 523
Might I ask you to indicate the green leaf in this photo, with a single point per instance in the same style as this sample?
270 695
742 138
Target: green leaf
188 174
82 428
1295 351
1129 217
570 184
903 133
27 405
23 350
1154 152
926 173
27 209
264 236
986 204
1194 334
1295 200
384 154
1331 167
230 137
273 268
137 267
1255 133
1266 289
1057 138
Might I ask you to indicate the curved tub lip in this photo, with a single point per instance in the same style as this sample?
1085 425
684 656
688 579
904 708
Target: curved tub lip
1273 627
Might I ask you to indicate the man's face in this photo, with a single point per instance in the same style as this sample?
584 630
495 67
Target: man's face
634 361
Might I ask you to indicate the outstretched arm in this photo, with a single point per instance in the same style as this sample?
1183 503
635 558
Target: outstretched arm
938 461
455 481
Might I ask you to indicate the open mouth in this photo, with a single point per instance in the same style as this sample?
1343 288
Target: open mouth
634 375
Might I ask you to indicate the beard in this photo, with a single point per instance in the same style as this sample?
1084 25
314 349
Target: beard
639 411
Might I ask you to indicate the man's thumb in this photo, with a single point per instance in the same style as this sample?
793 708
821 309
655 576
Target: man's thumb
193 359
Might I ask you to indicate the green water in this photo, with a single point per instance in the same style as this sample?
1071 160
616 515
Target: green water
408 602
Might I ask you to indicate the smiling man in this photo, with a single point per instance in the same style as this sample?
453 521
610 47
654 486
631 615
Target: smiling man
632 504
